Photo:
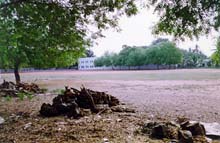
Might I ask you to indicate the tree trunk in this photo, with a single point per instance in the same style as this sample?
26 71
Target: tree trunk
16 72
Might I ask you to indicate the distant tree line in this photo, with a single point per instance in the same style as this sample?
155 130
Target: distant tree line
195 58
216 55
160 52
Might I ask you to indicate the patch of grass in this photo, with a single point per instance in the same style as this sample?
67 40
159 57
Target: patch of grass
58 91
44 90
23 95
8 98
30 96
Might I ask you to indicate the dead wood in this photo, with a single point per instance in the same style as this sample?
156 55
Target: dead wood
73 100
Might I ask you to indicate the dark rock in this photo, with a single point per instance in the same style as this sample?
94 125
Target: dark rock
174 141
48 110
195 128
184 124
160 130
185 136
74 110
147 128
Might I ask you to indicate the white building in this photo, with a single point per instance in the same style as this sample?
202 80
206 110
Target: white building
86 63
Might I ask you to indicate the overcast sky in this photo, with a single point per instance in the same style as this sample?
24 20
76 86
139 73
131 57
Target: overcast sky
137 31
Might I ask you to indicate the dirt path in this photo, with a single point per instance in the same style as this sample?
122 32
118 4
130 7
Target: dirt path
155 94
160 94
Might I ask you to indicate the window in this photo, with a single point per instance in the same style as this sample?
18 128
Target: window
82 67
91 66
82 62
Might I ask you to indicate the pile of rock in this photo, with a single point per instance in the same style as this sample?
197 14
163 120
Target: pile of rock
72 102
8 88
184 132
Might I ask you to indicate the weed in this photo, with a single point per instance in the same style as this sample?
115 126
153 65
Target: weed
8 98
29 96
21 96
58 91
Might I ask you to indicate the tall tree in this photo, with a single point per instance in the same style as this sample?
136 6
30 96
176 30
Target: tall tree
89 53
53 33
159 40
163 53
193 58
187 17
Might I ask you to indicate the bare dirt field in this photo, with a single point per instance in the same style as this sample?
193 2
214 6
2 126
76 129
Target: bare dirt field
193 93
156 95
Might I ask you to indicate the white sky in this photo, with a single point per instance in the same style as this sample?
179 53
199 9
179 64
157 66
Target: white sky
137 31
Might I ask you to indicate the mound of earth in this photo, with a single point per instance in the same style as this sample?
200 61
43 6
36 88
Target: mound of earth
77 103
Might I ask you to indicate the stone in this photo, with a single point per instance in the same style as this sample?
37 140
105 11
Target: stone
195 128
2 120
28 125
147 127
209 140
105 140
185 136
158 131
212 130
48 110
119 120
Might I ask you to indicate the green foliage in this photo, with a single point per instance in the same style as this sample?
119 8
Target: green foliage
162 53
44 34
29 96
106 60
193 58
58 91
136 57
187 17
21 96
8 98
216 55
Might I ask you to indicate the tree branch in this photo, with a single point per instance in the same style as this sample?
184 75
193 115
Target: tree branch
13 2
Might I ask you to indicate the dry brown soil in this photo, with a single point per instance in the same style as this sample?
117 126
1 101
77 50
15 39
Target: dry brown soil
164 94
